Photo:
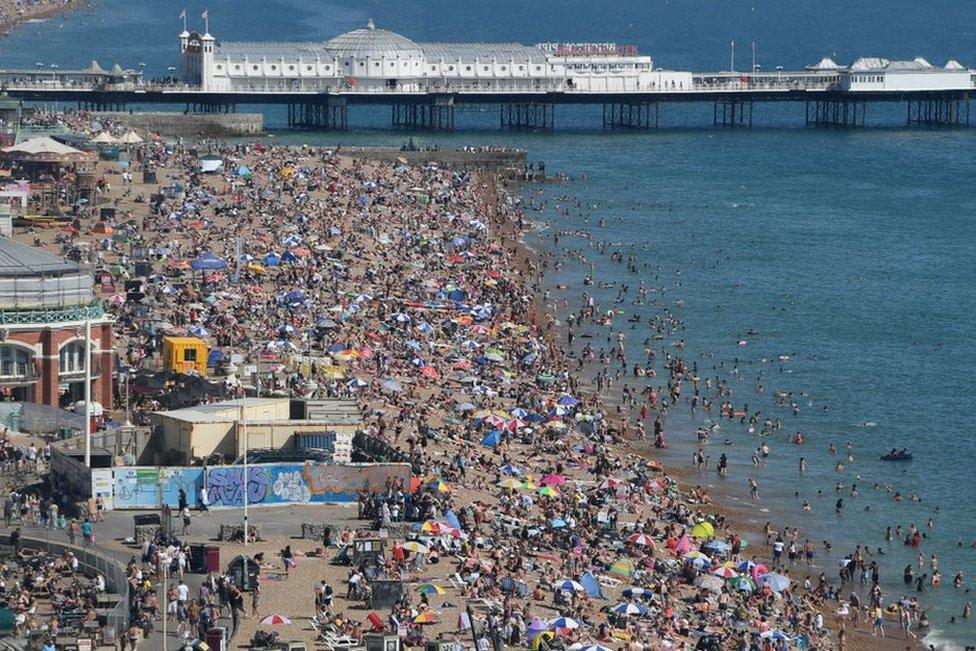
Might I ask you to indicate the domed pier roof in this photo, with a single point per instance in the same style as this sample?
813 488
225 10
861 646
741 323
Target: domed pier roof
373 43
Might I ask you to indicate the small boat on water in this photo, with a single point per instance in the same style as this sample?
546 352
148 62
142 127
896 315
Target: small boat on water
897 455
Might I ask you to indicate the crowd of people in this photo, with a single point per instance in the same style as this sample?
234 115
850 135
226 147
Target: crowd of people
406 288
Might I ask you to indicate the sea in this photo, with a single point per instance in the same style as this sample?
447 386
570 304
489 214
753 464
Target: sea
834 264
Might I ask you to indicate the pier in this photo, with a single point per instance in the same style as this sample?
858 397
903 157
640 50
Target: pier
423 84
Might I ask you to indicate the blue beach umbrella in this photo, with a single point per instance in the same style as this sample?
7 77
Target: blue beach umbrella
208 262
776 582
638 593
568 585
492 439
717 546
629 609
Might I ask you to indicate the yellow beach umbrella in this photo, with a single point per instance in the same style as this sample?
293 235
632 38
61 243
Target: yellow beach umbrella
703 530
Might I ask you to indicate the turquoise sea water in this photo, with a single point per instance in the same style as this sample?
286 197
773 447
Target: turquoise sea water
850 252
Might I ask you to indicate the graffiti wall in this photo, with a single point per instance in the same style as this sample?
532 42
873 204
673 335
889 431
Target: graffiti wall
267 484
298 483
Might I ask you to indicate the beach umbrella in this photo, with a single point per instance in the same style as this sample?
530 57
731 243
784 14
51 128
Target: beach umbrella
630 609
511 483
725 572
745 566
588 647
392 385
623 567
557 523
426 617
209 262
710 582
552 480
548 491
439 486
518 412
199 331
775 635
703 529
357 383
717 546
637 593
742 583
564 622
640 539
275 620
509 469
414 546
757 571
430 588
609 482
567 400
568 585
776 582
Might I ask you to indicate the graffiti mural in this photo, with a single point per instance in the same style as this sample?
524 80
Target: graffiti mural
226 488
342 483
291 487
267 484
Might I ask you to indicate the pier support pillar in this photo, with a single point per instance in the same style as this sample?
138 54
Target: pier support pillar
732 113
528 116
102 105
631 115
939 111
211 106
423 116
836 113
330 115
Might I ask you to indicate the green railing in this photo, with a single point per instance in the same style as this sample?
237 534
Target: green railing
15 316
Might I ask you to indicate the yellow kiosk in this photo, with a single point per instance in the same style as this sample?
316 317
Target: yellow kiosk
185 355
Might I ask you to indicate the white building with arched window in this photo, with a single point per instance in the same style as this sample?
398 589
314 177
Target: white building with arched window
378 60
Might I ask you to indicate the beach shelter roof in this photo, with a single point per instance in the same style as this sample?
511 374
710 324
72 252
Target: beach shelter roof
45 149
105 137
130 138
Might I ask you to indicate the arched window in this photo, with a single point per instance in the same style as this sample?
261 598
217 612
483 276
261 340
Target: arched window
15 362
71 358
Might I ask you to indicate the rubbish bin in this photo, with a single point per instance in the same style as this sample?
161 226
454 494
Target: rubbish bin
216 638
213 558
149 177
198 558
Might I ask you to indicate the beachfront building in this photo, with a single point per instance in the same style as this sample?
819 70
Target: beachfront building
229 427
878 74
377 60
44 305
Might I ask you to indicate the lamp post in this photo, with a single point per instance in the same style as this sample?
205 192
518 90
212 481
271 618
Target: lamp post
124 375
165 560
244 478
88 379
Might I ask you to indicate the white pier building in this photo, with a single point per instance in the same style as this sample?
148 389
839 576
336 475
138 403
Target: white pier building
378 60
